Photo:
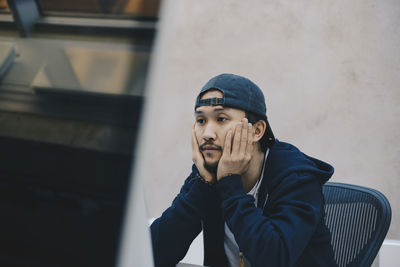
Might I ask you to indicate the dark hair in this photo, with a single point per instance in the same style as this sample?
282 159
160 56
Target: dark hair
268 138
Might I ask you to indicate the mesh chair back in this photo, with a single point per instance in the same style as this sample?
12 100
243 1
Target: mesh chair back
358 218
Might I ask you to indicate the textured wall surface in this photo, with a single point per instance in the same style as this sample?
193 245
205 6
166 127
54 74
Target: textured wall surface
330 71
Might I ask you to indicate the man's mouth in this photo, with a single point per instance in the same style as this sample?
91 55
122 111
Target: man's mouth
205 147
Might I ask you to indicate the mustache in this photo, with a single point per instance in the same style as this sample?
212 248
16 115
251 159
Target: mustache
209 144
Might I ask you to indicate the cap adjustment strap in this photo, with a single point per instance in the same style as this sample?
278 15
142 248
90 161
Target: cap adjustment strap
211 101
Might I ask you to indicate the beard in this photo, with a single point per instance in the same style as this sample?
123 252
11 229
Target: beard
212 168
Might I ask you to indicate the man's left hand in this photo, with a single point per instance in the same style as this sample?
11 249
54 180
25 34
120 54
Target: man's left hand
237 154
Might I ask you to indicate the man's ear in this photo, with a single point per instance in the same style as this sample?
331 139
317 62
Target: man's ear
259 130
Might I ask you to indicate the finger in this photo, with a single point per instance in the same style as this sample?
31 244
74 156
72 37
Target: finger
243 141
250 134
236 139
228 142
250 140
195 144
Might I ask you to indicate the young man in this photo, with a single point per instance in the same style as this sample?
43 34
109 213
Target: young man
258 201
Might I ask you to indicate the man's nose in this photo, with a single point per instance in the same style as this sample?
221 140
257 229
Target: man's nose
210 132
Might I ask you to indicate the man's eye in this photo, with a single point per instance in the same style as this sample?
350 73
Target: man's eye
222 119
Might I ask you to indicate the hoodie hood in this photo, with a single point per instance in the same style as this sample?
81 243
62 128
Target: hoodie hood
284 159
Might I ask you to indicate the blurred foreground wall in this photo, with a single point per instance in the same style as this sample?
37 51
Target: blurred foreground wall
330 71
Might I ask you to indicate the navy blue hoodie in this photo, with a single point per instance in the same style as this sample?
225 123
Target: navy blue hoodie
287 228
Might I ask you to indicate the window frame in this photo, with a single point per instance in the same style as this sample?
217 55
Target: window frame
35 21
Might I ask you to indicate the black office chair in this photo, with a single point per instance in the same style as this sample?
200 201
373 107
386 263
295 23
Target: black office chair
358 218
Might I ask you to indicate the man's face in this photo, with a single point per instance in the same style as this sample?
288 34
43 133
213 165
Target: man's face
212 125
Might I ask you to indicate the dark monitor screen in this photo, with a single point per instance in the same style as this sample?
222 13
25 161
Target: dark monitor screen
63 205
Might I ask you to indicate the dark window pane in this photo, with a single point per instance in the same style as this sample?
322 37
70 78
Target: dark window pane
4 7
112 8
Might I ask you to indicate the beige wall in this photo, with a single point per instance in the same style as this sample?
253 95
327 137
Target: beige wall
330 71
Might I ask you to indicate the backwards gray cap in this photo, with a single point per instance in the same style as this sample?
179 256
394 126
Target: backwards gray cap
239 92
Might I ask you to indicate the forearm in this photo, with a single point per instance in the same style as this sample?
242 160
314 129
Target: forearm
175 230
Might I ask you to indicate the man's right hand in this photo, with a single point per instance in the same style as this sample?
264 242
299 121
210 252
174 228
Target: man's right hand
198 159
